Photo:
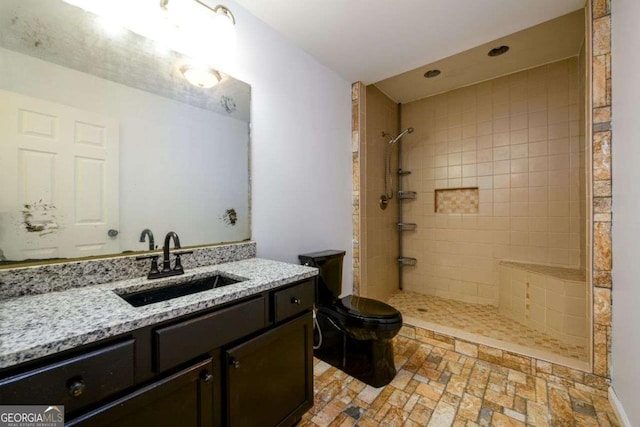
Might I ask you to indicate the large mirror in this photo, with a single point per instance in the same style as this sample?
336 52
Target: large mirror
101 137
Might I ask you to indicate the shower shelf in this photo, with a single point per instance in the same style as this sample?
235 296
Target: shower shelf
403 173
407 194
406 226
407 261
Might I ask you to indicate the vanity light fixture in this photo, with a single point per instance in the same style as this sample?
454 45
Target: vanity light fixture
202 76
206 34
190 27
196 16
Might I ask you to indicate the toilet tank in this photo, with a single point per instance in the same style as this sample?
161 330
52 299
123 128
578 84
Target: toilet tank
329 264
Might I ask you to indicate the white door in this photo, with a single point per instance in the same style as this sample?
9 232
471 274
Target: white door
58 180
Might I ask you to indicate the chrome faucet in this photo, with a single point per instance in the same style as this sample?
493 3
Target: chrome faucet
146 232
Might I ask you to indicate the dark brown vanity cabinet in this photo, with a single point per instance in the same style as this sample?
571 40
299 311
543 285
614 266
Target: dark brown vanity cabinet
269 379
184 399
246 363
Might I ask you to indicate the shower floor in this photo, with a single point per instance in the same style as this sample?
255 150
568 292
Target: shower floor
482 320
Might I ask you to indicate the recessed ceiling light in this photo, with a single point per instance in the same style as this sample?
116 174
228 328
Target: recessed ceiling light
203 77
497 51
432 73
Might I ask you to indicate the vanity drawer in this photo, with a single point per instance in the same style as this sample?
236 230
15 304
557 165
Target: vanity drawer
183 341
74 382
291 301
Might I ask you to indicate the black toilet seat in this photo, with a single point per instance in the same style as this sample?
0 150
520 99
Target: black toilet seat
368 310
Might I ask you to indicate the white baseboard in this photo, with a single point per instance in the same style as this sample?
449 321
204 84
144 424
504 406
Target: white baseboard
618 409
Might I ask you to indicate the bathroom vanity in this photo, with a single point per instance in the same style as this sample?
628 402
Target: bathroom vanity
236 355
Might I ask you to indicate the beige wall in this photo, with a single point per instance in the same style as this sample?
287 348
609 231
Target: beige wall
379 245
517 138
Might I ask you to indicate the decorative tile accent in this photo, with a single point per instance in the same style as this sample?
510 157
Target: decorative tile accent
457 200
602 306
602 205
602 246
601 8
602 35
438 386
601 156
602 115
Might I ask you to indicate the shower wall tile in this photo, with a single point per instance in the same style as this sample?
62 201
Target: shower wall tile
378 234
552 300
520 140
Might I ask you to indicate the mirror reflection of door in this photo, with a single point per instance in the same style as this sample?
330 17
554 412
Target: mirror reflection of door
59 175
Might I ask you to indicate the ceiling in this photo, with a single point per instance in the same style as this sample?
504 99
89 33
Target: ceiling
550 41
371 40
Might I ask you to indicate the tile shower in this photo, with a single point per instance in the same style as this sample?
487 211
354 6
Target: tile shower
499 168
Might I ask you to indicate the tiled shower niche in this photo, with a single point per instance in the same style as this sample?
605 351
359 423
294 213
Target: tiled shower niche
457 200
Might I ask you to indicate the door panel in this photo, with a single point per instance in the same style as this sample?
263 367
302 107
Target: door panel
59 169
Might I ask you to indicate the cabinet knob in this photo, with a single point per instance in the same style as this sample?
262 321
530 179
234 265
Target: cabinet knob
76 388
235 363
206 376
295 300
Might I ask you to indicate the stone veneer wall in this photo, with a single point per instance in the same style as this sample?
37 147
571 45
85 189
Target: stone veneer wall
358 92
599 12
601 183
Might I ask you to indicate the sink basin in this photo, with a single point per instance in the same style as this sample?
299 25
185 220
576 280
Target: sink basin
150 296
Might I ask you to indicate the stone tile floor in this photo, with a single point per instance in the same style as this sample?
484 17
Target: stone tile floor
439 387
481 320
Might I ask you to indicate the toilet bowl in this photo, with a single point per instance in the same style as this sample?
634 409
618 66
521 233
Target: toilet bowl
354 333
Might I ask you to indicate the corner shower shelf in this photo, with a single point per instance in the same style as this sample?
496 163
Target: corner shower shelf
407 194
403 173
406 226
407 261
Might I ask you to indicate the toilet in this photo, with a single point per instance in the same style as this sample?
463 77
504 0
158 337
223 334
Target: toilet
352 333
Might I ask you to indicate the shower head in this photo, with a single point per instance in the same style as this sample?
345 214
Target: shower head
397 138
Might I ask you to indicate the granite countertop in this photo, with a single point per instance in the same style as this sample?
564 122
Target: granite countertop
34 326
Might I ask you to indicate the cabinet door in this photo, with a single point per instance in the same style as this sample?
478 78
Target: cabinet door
184 399
269 379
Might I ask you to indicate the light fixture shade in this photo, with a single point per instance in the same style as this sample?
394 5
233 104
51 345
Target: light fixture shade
203 33
201 76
